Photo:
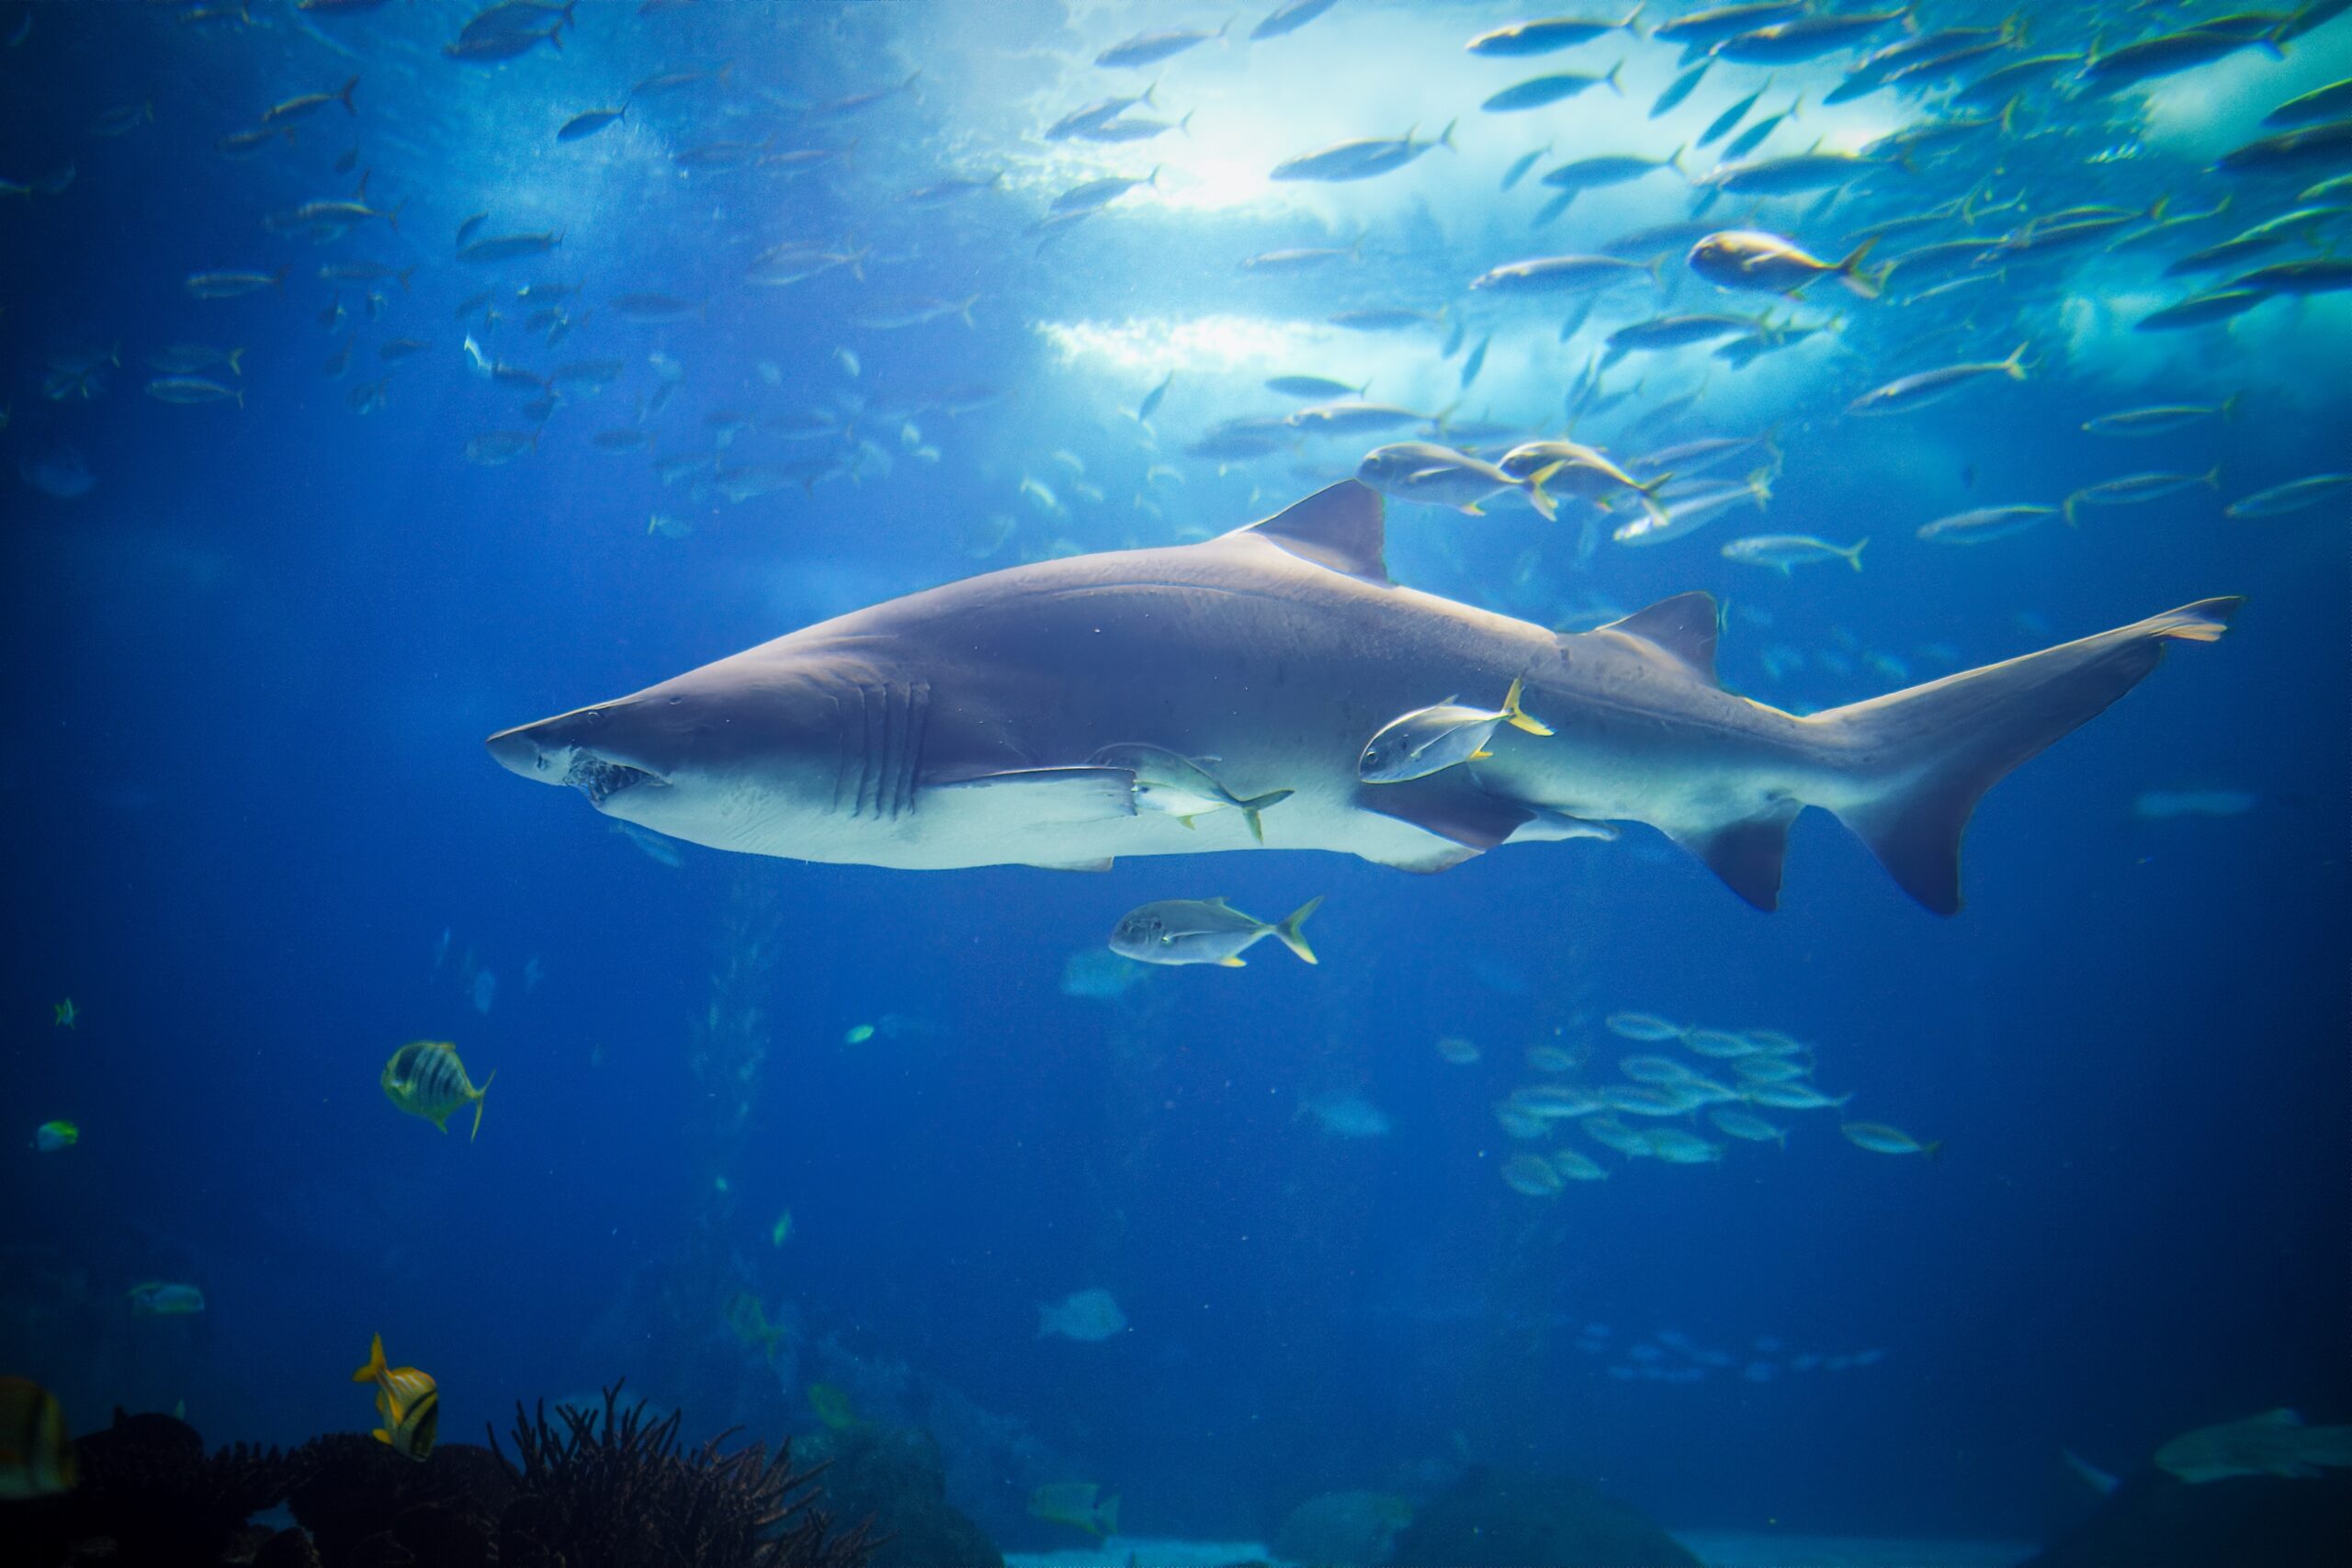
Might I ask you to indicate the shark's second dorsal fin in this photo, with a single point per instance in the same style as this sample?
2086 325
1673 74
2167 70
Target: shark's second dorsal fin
1682 628
1338 528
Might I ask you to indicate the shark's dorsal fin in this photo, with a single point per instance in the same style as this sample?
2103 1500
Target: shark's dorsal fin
1340 527
1683 627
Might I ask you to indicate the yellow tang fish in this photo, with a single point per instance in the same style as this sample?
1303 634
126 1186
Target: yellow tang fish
35 1458
425 1078
408 1401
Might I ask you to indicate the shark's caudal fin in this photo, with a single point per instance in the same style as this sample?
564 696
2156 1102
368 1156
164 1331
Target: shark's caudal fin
1940 746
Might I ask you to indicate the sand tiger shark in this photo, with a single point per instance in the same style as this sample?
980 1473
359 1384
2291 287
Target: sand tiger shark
968 724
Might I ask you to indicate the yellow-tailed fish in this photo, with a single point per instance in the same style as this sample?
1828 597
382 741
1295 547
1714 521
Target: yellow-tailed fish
407 1401
35 1458
425 1078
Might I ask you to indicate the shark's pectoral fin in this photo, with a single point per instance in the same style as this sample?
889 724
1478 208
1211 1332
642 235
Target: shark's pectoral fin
1470 818
1746 855
1042 796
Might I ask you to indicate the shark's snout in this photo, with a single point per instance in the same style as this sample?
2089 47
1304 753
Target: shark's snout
560 750
517 751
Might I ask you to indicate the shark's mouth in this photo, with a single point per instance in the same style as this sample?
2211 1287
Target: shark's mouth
600 779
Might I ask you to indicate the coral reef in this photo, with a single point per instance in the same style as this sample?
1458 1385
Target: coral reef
619 1492
594 1489
149 1491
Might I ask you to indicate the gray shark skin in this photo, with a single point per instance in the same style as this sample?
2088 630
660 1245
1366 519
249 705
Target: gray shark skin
956 726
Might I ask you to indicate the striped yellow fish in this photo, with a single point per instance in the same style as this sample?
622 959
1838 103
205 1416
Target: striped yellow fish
407 1401
35 1458
425 1078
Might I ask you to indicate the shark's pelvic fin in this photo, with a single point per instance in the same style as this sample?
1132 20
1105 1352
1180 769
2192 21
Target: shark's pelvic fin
1340 527
1747 854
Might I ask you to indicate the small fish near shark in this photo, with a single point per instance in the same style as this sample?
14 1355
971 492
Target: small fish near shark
969 724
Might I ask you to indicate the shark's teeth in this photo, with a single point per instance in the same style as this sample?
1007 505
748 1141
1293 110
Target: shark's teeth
600 780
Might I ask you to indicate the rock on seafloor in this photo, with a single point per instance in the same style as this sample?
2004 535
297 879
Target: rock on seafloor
895 1475
1497 1518
2155 1521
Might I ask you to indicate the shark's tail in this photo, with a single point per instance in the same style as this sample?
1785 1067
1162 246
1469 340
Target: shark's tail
1938 748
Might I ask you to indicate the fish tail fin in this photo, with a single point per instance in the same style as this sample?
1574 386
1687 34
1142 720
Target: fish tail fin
484 1090
2211 477
2015 367
376 1365
1849 271
1445 137
1546 507
2230 406
1292 933
392 218
1932 1147
1934 749
344 98
2067 508
1609 81
1107 1516
235 355
1185 125
1517 716
1251 808
1854 554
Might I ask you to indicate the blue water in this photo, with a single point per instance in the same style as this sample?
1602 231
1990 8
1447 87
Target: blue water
247 804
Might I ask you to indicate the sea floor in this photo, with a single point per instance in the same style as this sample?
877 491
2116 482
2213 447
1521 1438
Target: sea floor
1715 1548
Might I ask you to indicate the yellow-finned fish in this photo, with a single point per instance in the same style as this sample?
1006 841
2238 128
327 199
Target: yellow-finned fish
408 1401
425 1078
1081 1504
35 1458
